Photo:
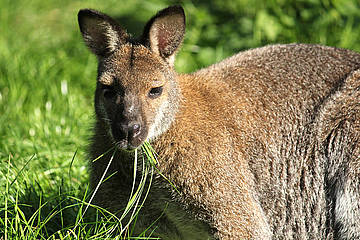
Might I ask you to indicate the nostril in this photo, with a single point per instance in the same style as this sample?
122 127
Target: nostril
136 128
128 130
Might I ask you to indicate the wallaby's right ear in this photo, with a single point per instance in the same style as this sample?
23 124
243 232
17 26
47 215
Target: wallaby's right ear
100 32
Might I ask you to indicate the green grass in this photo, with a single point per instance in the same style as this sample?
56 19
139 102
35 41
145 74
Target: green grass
47 79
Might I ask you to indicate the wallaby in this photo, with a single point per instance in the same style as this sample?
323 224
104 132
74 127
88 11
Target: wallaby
263 145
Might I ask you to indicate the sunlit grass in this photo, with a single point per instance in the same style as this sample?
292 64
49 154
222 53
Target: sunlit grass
77 217
47 80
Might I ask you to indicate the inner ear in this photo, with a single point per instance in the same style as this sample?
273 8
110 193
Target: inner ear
165 32
100 32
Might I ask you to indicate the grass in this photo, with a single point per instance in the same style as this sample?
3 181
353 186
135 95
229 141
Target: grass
47 79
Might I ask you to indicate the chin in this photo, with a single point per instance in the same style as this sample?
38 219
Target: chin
128 145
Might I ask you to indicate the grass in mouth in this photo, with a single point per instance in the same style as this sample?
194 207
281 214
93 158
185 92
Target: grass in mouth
138 194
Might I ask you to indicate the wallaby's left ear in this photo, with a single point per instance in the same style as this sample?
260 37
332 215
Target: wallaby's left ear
165 32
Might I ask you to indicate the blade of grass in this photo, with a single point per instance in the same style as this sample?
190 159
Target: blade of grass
6 198
134 198
23 167
97 187
150 153
138 193
71 163
152 156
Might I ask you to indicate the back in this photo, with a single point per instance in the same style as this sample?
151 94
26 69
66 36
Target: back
259 111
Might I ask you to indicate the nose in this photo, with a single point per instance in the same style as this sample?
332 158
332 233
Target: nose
134 129
131 129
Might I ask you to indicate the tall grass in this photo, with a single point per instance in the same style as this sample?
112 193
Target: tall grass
47 79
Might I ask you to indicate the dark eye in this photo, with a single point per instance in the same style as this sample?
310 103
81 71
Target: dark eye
155 92
108 92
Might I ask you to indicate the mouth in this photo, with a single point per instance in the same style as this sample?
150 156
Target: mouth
127 138
126 145
126 141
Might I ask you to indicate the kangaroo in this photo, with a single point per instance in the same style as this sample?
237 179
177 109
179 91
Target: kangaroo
263 145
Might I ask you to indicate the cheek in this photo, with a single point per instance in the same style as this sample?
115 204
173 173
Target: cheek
154 110
149 111
105 111
109 109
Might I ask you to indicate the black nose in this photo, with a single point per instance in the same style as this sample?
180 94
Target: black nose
130 130
134 129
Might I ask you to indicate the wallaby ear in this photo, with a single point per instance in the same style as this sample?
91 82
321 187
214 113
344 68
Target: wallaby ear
100 32
165 32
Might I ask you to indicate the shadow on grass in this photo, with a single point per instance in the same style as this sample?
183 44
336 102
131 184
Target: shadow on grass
61 214
45 214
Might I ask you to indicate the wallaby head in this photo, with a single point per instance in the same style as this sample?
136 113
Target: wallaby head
136 95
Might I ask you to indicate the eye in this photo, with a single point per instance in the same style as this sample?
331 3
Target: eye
108 92
155 92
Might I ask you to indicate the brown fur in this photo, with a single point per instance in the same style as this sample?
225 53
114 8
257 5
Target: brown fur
265 144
